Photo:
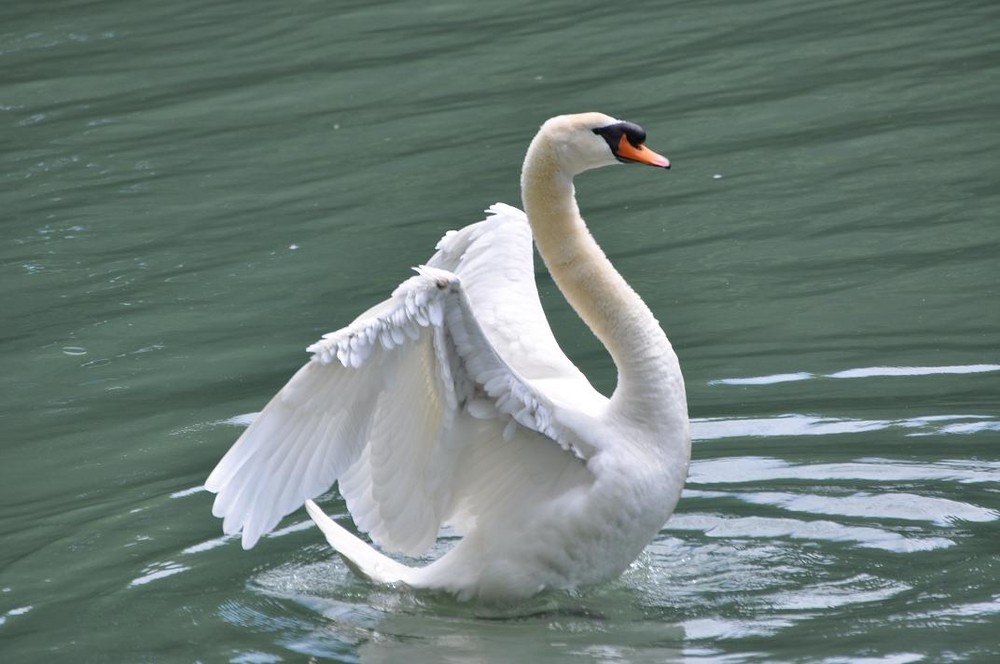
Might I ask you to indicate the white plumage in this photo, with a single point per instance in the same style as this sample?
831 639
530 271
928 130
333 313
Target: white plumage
451 403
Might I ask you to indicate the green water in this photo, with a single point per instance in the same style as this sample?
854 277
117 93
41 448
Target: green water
191 193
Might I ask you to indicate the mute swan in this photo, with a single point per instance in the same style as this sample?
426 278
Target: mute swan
452 404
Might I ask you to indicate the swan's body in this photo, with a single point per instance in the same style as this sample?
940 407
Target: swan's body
452 404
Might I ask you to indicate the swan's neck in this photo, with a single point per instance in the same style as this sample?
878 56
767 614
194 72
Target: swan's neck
648 371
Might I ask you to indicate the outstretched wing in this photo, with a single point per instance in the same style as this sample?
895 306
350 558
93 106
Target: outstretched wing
385 405
493 258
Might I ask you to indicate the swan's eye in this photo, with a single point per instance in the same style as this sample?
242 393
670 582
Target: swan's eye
613 133
634 134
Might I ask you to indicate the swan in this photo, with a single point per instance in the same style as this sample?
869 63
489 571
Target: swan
451 404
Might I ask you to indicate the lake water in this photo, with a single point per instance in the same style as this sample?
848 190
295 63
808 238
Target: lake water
193 192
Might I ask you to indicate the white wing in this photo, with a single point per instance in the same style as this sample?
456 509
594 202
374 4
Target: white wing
494 261
421 407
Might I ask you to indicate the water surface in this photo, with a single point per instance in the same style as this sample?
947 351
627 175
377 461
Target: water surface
193 193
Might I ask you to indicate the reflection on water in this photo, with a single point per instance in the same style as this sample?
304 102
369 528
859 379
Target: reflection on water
765 470
906 506
386 625
158 571
793 424
17 611
814 530
863 372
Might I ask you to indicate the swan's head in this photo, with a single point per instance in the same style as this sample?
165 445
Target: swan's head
592 140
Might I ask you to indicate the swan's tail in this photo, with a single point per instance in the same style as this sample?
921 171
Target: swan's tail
363 560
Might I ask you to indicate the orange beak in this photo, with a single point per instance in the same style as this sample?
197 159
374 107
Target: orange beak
641 154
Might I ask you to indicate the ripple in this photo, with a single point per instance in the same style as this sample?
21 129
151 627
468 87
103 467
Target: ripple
743 470
736 589
255 657
208 545
977 611
721 628
183 493
903 506
861 372
756 527
385 624
216 542
894 658
871 372
859 589
799 424
764 380
158 571
19 611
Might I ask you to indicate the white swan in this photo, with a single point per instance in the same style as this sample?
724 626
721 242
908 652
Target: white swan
452 404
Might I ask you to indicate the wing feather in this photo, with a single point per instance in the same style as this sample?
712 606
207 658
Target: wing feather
404 406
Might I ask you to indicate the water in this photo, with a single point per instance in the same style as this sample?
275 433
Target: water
192 193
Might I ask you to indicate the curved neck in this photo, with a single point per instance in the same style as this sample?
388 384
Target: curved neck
648 371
